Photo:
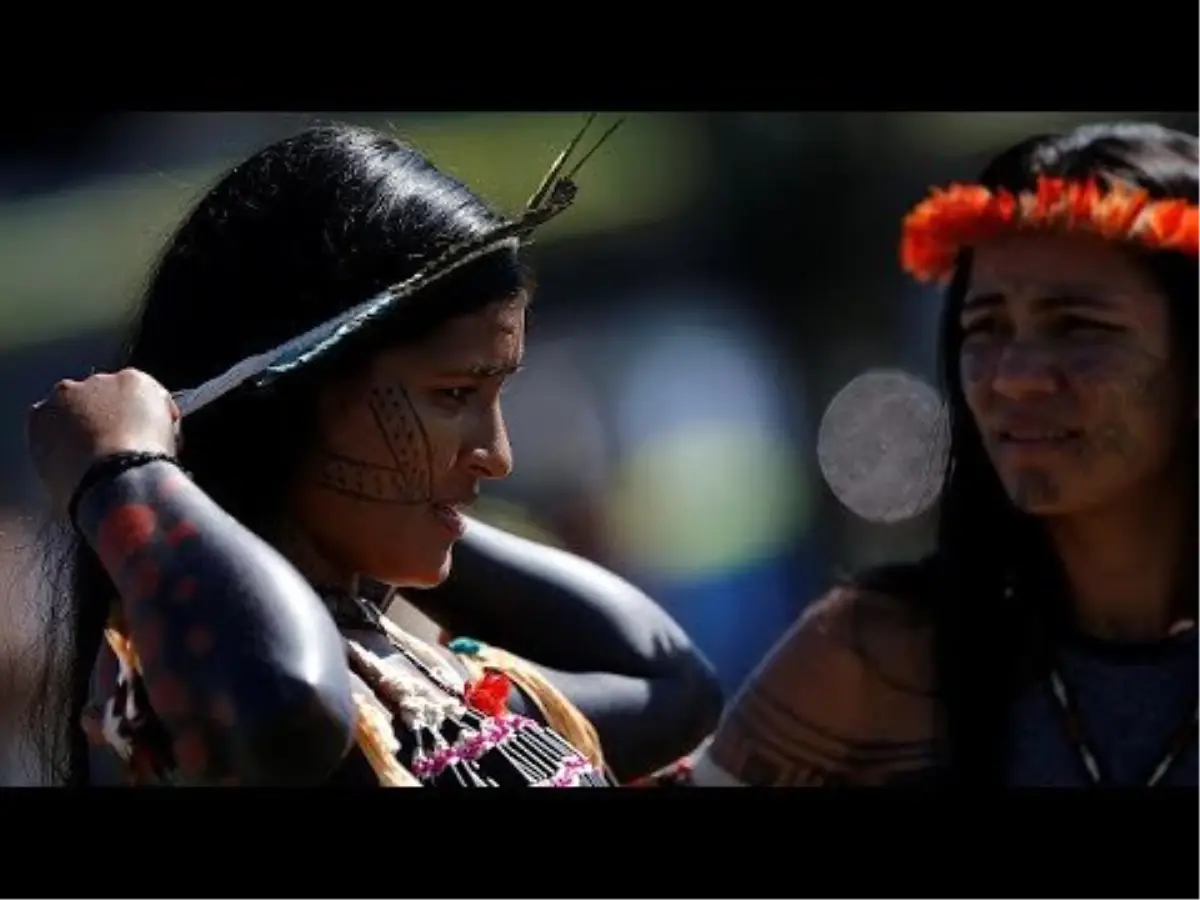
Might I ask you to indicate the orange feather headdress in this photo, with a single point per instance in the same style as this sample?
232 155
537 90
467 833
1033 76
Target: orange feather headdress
962 215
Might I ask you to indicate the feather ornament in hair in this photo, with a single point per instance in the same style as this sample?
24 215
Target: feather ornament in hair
554 195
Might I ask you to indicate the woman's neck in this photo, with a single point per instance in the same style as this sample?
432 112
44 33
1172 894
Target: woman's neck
1123 565
306 556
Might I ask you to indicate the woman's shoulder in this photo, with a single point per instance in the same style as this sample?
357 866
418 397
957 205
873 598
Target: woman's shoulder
845 696
876 626
852 648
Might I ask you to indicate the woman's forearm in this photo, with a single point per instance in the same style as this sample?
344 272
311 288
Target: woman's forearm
242 665
552 607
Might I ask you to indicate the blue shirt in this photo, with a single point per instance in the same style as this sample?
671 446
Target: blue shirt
1132 700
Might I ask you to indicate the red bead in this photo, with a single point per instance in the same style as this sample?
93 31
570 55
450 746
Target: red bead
489 694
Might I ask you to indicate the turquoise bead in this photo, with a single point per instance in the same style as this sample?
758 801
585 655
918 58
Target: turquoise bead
465 646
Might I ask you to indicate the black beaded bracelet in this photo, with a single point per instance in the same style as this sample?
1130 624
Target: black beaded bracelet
110 467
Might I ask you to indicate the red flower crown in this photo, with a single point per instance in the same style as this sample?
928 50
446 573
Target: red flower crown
964 214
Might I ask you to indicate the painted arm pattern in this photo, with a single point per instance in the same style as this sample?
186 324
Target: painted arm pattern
240 664
763 741
819 713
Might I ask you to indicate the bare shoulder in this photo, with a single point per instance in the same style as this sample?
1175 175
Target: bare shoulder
844 697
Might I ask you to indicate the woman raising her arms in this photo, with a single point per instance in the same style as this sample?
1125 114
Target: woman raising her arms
1050 639
225 624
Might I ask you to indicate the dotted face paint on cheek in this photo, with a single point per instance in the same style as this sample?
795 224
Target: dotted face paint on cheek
407 479
1131 391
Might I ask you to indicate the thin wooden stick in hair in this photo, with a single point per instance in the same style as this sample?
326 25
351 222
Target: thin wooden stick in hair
553 196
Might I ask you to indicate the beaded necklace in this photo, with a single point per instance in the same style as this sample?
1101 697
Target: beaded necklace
459 736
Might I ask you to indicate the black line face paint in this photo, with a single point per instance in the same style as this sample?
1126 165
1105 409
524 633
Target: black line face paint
404 447
408 478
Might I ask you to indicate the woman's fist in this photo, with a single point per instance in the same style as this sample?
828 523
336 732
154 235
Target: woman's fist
83 421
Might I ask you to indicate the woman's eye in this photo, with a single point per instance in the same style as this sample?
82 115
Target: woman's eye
979 326
1078 325
458 395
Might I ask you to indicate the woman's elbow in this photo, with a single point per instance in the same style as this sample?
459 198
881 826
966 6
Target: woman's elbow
709 702
306 738
700 696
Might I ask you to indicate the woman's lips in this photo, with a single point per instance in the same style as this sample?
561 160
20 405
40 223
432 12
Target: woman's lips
450 518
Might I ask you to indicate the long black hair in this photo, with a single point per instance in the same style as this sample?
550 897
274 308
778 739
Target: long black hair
297 233
994 580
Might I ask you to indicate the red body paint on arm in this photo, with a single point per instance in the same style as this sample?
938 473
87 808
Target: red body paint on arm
224 630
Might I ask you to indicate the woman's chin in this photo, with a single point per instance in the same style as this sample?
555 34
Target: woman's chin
427 574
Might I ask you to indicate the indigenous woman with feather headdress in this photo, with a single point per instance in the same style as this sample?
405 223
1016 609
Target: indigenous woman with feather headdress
1050 639
225 622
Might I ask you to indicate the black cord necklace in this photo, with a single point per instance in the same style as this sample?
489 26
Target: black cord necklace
1072 722
351 613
